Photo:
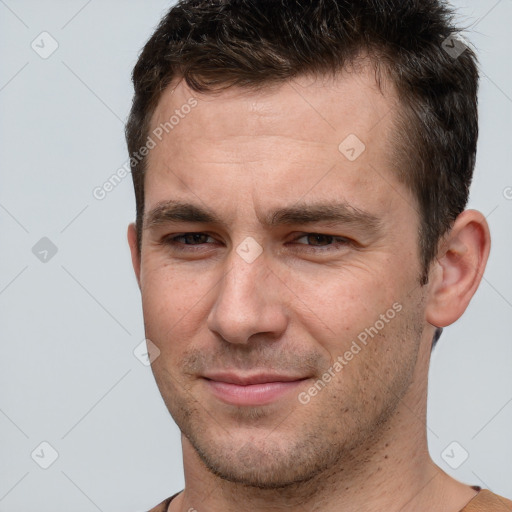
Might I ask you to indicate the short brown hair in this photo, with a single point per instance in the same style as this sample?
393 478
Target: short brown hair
216 44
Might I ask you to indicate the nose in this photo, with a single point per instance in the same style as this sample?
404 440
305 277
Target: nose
249 302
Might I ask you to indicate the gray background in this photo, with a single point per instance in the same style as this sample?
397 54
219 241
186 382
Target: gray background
70 323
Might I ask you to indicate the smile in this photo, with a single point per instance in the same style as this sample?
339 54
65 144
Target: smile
252 391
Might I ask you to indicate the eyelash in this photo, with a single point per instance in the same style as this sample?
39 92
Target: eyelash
179 246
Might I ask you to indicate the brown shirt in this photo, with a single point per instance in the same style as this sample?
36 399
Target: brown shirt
484 501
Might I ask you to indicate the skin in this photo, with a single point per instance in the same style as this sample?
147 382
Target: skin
360 443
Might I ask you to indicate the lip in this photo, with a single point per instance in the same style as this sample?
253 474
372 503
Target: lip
251 390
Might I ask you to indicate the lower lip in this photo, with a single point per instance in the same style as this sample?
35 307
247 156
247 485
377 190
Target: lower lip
252 394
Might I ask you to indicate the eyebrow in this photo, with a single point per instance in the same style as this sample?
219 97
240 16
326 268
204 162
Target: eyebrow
297 214
177 211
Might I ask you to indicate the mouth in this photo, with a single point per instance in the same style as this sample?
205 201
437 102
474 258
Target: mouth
252 390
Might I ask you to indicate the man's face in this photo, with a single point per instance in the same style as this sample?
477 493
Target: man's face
246 337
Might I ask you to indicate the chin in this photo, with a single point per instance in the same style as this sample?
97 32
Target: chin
262 464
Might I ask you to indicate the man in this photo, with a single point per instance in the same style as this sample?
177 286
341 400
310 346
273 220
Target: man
301 171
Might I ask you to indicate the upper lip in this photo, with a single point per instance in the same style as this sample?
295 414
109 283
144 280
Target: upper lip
257 378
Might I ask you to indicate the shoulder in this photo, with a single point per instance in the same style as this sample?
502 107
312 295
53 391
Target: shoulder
486 501
162 507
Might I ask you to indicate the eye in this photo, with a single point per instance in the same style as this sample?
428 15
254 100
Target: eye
322 242
187 241
312 242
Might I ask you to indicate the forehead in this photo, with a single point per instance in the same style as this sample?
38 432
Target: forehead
287 137
351 99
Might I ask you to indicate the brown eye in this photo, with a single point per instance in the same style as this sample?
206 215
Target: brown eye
188 241
193 238
320 240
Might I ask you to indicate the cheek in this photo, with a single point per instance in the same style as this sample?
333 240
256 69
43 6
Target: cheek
172 303
377 359
338 304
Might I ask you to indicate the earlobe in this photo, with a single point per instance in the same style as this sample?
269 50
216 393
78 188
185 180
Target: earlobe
459 268
132 242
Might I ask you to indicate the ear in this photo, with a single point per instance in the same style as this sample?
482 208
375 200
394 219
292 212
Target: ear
132 242
458 270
